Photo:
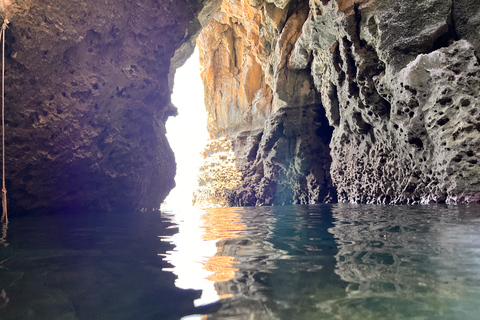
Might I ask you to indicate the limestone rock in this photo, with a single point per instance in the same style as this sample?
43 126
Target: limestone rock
88 88
399 84
466 22
236 95
244 54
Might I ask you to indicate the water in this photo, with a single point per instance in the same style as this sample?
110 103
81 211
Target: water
297 262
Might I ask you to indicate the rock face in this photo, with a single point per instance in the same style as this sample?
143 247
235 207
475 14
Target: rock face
433 137
88 92
217 174
287 163
87 96
398 82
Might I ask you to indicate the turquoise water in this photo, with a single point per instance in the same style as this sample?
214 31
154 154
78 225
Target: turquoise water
334 261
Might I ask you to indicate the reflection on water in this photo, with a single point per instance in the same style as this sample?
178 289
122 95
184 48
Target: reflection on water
196 259
90 266
295 262
337 261
220 224
418 261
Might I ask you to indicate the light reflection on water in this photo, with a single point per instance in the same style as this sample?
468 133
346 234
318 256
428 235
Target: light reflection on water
195 259
331 261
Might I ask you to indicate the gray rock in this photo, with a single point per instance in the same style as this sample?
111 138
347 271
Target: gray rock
429 145
292 160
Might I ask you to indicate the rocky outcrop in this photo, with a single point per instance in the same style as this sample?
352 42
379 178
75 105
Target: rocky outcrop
428 148
87 96
392 141
399 84
217 174
243 52
88 92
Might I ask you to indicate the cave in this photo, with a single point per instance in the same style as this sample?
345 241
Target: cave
88 90
341 168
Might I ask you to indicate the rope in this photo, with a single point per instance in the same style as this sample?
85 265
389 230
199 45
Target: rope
4 188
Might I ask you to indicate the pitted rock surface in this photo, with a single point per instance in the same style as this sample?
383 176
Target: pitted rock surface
88 88
281 169
399 84
87 96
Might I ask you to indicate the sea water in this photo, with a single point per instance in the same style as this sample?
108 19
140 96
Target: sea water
336 261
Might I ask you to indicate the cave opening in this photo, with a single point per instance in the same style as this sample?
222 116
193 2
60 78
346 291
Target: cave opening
187 132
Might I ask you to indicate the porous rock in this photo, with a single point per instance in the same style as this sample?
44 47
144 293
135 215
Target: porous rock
87 96
280 168
399 84
88 92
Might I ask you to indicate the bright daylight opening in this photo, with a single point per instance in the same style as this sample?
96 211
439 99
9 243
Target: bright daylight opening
187 132
187 135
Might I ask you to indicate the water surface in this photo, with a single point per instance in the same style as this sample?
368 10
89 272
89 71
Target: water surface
296 262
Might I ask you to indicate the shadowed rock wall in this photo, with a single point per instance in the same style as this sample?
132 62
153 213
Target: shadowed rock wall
399 83
87 96
288 162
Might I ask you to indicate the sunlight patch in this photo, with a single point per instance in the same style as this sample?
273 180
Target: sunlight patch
187 132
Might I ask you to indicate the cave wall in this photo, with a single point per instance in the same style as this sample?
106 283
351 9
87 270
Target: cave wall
87 97
398 82
88 88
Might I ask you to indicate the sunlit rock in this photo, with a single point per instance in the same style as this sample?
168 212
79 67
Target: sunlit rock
217 174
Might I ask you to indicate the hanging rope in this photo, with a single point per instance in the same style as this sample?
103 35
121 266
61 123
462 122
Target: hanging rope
4 188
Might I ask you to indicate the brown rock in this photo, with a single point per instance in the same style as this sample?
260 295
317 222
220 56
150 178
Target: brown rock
87 96
397 86
88 92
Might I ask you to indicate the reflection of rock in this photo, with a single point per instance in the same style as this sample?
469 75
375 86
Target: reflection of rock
92 267
218 225
353 262
400 255
282 264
